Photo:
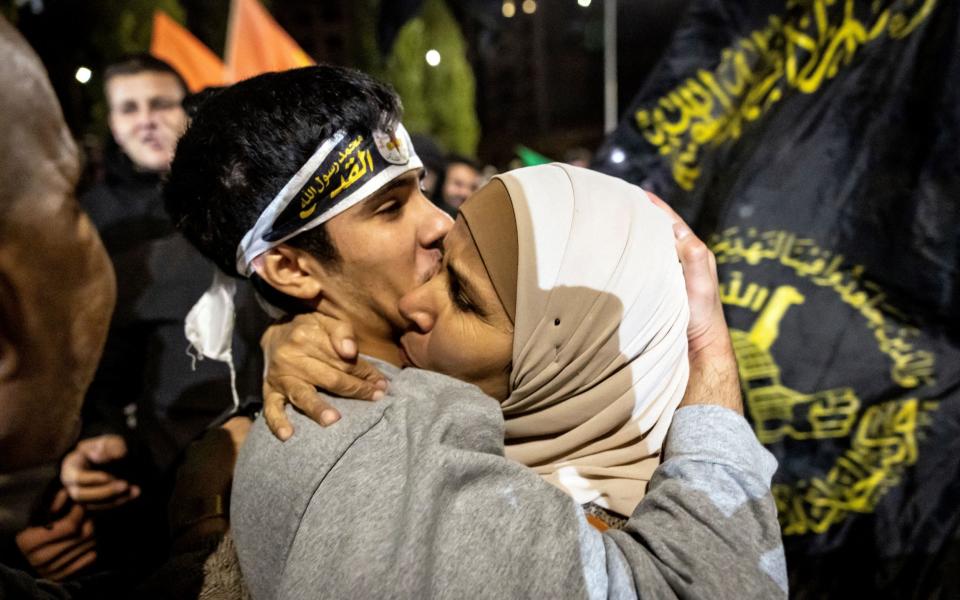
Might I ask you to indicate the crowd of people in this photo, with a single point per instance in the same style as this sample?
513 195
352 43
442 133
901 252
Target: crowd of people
519 387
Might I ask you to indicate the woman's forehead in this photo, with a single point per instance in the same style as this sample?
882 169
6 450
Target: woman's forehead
460 249
464 262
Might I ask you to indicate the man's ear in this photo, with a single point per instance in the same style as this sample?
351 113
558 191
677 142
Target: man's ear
11 321
291 271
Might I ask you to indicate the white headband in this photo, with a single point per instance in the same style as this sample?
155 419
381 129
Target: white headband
355 166
345 170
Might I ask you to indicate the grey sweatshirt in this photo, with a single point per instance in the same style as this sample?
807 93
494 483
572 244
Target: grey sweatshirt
411 497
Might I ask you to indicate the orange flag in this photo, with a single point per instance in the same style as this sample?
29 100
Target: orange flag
174 44
257 44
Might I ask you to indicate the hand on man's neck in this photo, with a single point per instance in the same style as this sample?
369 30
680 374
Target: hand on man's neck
374 336
387 351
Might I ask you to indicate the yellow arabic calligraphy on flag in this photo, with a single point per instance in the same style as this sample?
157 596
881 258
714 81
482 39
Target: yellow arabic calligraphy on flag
799 52
883 437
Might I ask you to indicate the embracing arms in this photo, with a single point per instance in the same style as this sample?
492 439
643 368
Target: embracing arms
315 351
412 497
707 527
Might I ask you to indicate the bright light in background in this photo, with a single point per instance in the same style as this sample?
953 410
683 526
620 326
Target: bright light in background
529 6
509 9
617 156
433 57
583 3
83 74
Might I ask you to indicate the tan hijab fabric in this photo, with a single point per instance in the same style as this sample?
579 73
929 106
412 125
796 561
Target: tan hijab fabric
600 347
488 215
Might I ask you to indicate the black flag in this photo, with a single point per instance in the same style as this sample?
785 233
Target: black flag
814 143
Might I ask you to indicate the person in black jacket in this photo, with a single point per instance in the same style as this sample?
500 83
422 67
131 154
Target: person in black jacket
460 179
149 398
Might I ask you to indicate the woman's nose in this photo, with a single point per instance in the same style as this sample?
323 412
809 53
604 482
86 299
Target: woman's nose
414 308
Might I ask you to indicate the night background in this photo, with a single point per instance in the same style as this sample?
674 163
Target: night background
538 77
810 143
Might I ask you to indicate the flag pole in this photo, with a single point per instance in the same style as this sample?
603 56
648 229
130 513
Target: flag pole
610 113
229 50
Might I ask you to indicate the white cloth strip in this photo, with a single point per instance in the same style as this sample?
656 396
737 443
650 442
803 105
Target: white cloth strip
253 243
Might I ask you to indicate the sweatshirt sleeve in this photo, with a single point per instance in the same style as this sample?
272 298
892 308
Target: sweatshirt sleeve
423 504
707 527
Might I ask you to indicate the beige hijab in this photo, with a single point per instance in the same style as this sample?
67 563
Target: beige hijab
600 347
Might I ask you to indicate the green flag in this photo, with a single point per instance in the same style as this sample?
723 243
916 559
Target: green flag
530 157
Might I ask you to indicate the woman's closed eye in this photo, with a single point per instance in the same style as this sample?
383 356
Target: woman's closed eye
459 295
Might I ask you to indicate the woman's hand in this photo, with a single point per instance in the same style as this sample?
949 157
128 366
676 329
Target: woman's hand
714 378
313 351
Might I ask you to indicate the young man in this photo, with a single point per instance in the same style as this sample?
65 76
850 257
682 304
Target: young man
146 117
460 179
304 181
331 249
148 399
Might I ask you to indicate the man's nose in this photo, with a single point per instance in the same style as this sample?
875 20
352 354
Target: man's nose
434 226
147 118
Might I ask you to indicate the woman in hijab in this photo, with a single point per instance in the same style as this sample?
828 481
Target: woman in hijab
586 290
554 335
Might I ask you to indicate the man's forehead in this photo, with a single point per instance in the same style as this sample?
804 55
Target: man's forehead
410 178
145 84
462 168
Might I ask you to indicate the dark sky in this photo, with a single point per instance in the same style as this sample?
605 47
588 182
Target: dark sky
539 77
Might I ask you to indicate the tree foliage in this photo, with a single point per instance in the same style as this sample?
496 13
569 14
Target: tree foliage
441 100
8 8
125 27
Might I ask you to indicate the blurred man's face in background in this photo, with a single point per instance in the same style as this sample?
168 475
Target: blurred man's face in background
147 117
461 181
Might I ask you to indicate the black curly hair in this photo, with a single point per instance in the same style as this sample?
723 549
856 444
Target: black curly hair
247 140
